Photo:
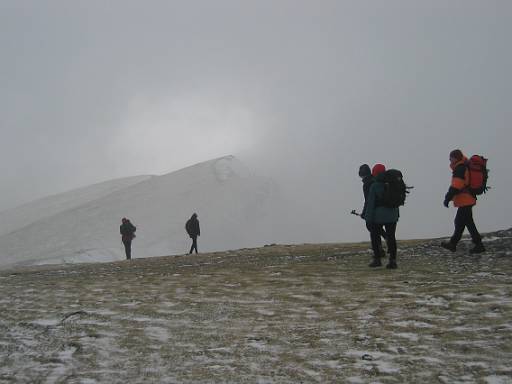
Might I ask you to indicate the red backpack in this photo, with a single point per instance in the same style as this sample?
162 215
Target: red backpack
478 174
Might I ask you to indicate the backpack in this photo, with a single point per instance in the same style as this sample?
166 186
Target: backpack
395 189
478 174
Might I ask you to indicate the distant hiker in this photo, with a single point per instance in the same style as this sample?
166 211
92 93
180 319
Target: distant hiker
193 230
380 214
365 173
464 199
127 230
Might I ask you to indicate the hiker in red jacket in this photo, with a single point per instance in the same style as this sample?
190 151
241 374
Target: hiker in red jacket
464 200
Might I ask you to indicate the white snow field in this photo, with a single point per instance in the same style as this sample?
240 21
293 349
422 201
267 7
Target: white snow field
236 209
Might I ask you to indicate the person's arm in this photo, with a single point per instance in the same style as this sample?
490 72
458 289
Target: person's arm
363 212
457 185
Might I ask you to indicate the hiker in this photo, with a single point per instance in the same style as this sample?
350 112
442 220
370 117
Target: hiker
193 230
378 216
464 200
127 230
365 173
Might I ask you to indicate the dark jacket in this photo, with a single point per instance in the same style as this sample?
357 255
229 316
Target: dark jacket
376 213
192 227
127 231
367 183
459 191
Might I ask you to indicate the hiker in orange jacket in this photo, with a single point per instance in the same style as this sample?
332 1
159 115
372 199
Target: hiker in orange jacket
464 200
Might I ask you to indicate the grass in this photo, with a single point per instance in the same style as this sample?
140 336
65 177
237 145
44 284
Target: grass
288 314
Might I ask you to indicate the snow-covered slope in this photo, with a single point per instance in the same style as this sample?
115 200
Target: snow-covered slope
27 214
235 208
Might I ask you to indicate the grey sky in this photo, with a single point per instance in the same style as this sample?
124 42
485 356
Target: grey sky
308 90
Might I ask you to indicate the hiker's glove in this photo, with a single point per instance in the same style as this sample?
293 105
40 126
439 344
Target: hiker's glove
446 202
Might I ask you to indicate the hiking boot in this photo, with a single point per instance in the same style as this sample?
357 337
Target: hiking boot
449 246
479 248
392 264
375 263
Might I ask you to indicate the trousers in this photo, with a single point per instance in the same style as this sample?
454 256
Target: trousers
194 244
128 249
376 231
463 220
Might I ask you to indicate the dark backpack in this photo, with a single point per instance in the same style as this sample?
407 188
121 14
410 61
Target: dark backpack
478 174
395 189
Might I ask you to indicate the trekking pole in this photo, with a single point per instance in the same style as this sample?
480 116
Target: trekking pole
353 212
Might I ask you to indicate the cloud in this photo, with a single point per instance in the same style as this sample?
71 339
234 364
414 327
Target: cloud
160 135
304 91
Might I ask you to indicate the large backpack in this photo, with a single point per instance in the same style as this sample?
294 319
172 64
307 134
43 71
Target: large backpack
478 174
188 226
395 189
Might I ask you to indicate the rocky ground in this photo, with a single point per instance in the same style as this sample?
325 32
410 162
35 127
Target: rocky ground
283 314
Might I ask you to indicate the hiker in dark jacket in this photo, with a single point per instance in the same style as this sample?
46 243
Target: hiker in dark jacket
464 200
378 217
365 173
193 230
127 230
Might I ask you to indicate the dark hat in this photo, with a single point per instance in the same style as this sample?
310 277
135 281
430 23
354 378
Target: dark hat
456 154
364 170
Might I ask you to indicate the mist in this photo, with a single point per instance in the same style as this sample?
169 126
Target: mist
303 92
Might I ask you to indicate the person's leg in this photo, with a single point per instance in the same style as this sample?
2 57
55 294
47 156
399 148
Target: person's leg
460 224
385 237
128 249
391 241
470 225
473 231
194 244
375 236
381 251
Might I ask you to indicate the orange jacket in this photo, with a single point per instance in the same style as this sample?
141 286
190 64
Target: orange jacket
458 191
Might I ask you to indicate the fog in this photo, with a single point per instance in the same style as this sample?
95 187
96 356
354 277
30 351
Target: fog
303 92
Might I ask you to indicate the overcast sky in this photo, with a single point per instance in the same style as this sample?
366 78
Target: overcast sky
303 91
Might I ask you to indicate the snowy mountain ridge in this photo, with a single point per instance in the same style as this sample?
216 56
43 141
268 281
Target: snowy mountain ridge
236 209
24 215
